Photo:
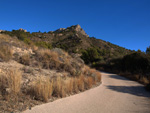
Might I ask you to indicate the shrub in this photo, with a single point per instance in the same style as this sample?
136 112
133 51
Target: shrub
25 59
27 41
43 44
47 58
92 73
5 52
12 81
90 55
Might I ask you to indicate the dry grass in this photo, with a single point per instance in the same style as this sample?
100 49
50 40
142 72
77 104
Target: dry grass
69 86
48 59
81 80
95 74
137 77
25 59
75 85
90 82
11 81
34 48
59 87
144 80
98 76
5 52
63 91
42 89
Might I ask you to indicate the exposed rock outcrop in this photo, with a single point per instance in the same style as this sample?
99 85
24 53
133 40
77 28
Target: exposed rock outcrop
22 30
60 30
76 28
1 31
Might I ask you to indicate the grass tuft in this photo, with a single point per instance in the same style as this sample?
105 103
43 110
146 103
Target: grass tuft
42 89
11 81
25 59
5 53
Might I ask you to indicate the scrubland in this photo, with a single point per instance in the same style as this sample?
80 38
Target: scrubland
30 75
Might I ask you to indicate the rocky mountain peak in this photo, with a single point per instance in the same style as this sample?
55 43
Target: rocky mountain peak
78 29
60 30
22 30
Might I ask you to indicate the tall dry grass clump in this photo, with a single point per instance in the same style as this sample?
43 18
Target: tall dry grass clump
69 86
42 89
98 76
81 81
48 59
59 87
11 81
89 82
75 85
94 73
5 52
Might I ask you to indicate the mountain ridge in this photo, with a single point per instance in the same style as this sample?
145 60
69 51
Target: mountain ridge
72 39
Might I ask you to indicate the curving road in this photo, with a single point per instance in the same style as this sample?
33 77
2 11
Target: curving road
115 95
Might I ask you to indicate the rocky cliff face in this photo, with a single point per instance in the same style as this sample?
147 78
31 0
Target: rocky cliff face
22 30
77 28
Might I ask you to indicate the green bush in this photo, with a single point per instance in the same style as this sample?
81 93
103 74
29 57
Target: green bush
91 55
21 35
43 44
136 62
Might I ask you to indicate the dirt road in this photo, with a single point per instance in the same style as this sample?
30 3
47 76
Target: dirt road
115 95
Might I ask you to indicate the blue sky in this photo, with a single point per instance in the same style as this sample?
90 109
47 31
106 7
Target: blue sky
122 22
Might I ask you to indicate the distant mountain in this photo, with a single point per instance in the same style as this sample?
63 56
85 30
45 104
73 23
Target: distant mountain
74 40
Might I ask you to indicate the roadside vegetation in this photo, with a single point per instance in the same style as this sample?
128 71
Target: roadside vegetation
96 53
43 72
134 66
31 75
5 52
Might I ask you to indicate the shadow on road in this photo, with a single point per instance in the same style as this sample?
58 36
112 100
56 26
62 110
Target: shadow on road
118 77
134 90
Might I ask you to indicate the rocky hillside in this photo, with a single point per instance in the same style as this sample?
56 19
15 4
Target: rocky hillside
31 75
73 40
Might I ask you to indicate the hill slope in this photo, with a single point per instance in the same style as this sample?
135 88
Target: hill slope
73 40
30 75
